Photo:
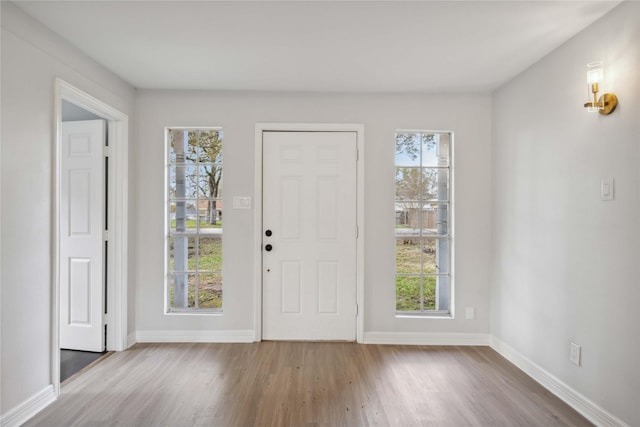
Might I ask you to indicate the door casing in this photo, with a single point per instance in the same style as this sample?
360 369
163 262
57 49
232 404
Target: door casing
118 131
308 127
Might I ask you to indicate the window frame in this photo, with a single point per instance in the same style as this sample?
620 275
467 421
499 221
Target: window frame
448 201
168 201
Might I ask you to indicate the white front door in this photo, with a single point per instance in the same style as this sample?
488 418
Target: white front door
309 235
82 207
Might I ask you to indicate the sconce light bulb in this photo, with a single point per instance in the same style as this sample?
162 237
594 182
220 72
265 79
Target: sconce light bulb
594 76
594 72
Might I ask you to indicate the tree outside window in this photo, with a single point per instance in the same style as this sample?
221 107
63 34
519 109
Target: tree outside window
195 217
422 230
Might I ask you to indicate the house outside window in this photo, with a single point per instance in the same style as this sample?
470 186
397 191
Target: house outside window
423 232
194 220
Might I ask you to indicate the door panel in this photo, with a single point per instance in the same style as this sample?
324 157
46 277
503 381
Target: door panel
79 291
309 258
82 195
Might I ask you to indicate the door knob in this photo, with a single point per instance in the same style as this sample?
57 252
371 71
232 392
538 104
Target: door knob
268 233
268 248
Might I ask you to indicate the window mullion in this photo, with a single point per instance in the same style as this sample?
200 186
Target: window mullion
196 249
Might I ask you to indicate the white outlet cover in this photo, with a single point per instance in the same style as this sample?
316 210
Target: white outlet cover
469 313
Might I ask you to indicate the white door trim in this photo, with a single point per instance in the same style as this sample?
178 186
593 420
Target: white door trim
118 131
257 232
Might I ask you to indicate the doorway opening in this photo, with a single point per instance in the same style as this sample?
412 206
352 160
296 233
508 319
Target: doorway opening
89 312
83 247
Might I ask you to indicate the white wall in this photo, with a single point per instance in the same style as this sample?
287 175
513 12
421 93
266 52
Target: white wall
467 116
565 265
32 57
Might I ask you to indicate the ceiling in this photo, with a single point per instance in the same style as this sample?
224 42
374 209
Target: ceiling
324 46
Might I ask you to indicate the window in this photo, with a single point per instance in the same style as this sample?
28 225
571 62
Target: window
194 220
423 226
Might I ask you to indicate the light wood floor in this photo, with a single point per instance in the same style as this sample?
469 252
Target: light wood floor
305 384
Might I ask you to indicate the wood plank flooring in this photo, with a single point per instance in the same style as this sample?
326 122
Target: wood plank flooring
305 384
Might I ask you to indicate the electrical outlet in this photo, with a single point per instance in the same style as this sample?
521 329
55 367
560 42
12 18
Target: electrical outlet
574 355
469 313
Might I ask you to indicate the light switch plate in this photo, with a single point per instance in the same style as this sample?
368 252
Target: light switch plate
575 353
606 189
241 202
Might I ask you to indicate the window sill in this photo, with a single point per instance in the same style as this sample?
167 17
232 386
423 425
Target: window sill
194 313
401 315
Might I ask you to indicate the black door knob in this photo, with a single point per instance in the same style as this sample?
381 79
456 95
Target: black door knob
268 248
268 233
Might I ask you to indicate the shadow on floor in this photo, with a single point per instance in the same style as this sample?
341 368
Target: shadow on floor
72 361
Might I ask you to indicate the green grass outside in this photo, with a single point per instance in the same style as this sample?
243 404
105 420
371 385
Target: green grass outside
210 260
408 293
409 258
192 223
207 298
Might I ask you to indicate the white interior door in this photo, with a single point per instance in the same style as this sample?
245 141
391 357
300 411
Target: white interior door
309 235
82 195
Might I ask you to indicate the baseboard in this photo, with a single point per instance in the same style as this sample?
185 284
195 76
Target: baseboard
131 339
425 338
588 409
29 408
195 336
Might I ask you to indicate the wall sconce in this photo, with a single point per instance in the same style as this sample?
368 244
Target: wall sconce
605 104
